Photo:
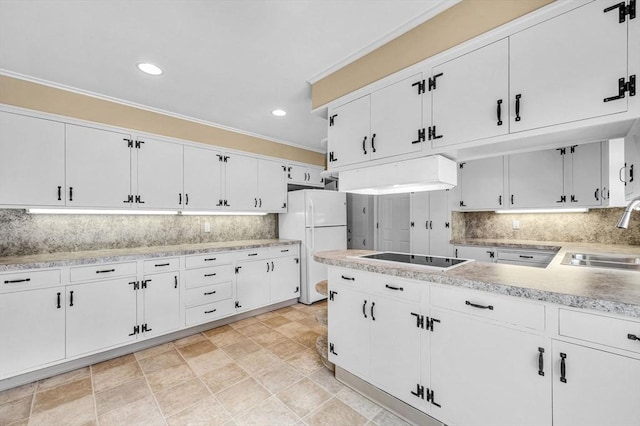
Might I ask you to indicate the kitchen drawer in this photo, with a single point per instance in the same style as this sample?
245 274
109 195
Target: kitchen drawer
289 250
209 293
209 312
161 265
254 254
397 287
506 309
213 258
102 271
29 279
208 276
532 256
351 277
614 332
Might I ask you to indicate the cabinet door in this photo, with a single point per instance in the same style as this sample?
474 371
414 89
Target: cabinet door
394 215
31 161
359 221
473 367
202 179
161 299
565 67
297 174
482 184
396 118
252 284
478 253
601 388
631 172
31 329
471 97
314 176
395 347
439 226
272 186
348 136
584 175
98 168
160 174
420 223
348 318
536 179
241 182
101 314
284 278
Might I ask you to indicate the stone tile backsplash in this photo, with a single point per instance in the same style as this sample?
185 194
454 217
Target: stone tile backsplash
26 234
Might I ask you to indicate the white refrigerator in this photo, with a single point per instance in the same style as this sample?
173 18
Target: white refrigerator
317 218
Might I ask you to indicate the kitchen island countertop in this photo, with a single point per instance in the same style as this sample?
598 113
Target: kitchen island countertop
612 291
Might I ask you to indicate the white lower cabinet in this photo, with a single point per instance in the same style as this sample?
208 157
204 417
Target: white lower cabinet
252 284
31 329
160 303
284 278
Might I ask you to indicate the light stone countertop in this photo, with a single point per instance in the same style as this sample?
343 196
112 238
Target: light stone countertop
53 260
613 291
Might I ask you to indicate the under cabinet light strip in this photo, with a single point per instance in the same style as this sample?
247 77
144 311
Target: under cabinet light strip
141 212
525 211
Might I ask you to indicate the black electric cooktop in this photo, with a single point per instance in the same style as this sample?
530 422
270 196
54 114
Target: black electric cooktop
417 259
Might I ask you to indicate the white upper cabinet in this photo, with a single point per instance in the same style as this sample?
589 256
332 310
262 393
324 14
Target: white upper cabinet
631 163
31 161
349 130
300 174
536 179
568 68
241 182
272 186
396 119
159 174
420 223
202 178
430 227
98 168
583 175
470 96
482 184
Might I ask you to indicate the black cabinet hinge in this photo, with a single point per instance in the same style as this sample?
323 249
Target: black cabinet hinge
332 120
238 305
447 225
145 328
284 168
129 199
563 151
143 283
419 391
331 294
432 133
462 204
461 165
573 149
421 136
419 320
413 224
136 330
238 269
129 142
220 157
225 158
135 284
284 205
623 10
332 349
139 144
624 87
429 323
430 397
420 85
432 81
573 199
139 199
563 199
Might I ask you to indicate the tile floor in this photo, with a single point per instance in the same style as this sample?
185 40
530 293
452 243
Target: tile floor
262 370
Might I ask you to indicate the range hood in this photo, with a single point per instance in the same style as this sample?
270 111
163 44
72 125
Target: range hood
420 174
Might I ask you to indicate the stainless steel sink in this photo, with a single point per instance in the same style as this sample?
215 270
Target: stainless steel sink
608 261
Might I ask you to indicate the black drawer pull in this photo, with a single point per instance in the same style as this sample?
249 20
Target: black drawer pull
210 312
58 305
633 337
522 256
104 271
210 275
394 288
210 293
348 278
563 368
210 259
252 254
540 362
24 280
490 307
162 264
284 251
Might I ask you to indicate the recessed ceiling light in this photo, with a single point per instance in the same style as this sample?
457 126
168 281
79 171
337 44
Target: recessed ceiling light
149 68
279 112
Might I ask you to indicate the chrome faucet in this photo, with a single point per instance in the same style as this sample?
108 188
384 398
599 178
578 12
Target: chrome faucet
624 220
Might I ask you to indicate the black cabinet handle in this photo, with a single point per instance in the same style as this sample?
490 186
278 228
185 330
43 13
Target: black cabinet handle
518 96
511 199
175 281
158 265
58 306
631 173
348 278
252 254
499 112
272 266
540 362
260 204
500 200
210 275
210 312
209 259
180 198
390 287
104 271
364 145
563 368
255 202
71 298
597 194
186 199
59 193
71 193
24 280
633 337
297 290
372 305
522 256
208 293
267 266
490 307
373 147
364 309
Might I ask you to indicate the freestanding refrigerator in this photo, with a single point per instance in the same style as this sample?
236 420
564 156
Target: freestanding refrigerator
317 218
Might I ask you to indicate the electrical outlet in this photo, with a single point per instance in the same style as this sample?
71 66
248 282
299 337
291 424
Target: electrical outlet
207 227
516 224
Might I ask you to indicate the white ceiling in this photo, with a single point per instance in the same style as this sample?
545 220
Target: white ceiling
229 62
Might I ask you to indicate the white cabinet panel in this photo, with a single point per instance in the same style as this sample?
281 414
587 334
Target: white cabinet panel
284 277
98 168
536 179
305 175
272 186
252 284
430 228
31 161
360 221
394 217
420 223
349 134
160 175
479 253
202 178
482 184
241 186
161 300
584 176
565 67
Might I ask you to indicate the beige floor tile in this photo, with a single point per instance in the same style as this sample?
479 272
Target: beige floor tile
24 422
169 377
296 315
65 378
17 392
223 377
198 337
112 363
307 339
195 349
184 395
139 413
217 330
259 360
121 395
278 377
385 418
254 329
159 361
362 405
155 350
207 412
310 322
17 409
242 396
243 323
284 310
303 397
240 349
63 394
269 338
287 349
268 412
335 413
292 329
325 378
209 361
116 376
78 412
306 362
266 316
276 321
226 338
